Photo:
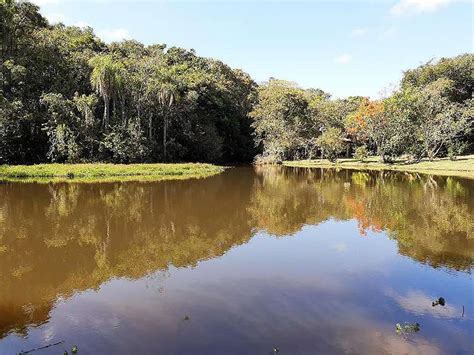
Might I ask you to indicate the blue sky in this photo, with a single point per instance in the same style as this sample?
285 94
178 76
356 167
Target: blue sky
343 47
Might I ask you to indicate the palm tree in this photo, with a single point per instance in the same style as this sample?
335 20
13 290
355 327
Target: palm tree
106 79
165 87
167 98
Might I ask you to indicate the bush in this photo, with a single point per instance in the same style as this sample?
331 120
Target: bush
361 153
331 142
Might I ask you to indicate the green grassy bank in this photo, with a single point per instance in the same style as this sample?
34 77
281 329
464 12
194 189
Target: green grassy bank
106 172
462 167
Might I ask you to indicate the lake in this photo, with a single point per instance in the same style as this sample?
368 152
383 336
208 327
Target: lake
252 261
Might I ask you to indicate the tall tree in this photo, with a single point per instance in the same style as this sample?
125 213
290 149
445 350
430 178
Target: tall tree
440 122
106 79
281 119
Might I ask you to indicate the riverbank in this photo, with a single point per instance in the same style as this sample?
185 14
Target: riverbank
462 167
106 172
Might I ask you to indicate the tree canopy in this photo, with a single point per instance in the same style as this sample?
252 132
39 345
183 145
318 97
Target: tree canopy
429 115
66 96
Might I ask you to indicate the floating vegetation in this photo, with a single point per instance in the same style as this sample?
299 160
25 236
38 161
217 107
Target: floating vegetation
74 350
440 301
407 328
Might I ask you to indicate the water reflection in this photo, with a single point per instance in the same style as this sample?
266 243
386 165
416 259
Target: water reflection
431 218
59 239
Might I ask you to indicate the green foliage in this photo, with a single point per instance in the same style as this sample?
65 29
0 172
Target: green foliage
281 119
361 153
458 70
456 148
153 104
156 103
126 144
407 328
103 171
440 122
331 143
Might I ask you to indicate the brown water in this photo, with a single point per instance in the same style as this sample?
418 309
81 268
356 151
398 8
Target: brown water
308 261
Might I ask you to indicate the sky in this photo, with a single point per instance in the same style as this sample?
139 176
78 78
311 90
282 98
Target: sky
342 47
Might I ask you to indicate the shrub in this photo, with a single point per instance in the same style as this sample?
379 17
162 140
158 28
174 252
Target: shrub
361 153
331 143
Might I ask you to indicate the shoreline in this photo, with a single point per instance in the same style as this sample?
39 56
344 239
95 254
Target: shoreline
462 167
104 172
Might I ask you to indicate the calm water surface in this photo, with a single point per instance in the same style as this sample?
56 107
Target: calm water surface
308 261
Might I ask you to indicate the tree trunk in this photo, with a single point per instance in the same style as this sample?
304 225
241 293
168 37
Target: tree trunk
150 127
124 119
106 113
165 123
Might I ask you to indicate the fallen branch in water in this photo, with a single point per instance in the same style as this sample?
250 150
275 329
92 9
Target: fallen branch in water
40 348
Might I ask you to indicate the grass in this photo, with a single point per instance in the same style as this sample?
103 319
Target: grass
462 167
106 172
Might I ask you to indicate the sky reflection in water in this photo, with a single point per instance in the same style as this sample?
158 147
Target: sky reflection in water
309 261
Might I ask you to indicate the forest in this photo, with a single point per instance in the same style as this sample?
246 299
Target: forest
68 97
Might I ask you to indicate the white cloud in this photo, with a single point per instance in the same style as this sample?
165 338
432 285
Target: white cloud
417 6
357 32
55 17
112 35
343 58
418 303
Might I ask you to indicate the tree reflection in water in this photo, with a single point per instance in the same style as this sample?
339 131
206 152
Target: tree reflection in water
58 239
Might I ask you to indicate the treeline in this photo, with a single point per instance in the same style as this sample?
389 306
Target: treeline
66 96
430 115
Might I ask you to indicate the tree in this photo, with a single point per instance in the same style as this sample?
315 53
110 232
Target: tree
69 126
168 96
281 120
458 70
165 85
126 144
106 79
441 123
361 153
179 106
384 123
332 143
